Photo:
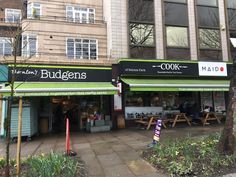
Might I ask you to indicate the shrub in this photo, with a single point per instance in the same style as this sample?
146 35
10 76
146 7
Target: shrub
189 156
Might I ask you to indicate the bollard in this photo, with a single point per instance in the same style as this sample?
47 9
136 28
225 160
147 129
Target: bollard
157 133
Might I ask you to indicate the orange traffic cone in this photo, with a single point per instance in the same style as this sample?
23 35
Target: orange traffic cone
69 152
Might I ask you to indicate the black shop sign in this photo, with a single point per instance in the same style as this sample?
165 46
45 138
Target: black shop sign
143 68
57 74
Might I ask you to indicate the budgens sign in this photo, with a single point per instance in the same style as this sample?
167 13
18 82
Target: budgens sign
57 74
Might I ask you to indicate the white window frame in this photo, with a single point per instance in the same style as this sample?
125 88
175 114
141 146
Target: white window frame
30 10
89 52
26 52
14 11
5 40
80 12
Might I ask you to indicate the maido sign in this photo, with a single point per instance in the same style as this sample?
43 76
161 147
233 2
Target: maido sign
212 69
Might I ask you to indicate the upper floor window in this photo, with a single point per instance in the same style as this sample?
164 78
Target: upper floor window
34 10
141 34
231 4
12 15
141 11
207 3
29 45
80 14
82 48
178 1
177 36
5 46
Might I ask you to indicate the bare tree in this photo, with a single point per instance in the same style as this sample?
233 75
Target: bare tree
12 33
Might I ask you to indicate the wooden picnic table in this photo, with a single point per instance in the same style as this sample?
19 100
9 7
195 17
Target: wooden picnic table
209 116
147 121
180 117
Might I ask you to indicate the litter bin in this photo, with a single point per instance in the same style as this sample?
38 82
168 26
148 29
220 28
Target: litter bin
43 125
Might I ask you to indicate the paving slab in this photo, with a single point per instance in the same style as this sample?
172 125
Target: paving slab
118 171
129 155
108 160
140 167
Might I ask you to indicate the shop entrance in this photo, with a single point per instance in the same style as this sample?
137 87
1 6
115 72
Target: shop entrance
79 110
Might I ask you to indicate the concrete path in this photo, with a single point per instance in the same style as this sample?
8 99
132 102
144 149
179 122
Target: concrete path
110 154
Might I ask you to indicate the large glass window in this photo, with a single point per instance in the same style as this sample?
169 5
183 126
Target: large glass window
141 10
176 21
209 39
209 30
5 46
179 1
29 45
207 2
80 15
142 52
82 48
208 16
176 14
141 23
12 15
177 53
141 34
34 10
177 36
231 4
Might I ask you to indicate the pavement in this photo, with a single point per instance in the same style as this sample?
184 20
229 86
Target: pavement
110 154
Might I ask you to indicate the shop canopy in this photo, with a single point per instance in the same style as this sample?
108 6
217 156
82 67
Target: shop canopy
60 89
176 85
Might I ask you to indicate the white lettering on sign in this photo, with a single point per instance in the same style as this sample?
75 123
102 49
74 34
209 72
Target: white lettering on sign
170 66
212 69
66 75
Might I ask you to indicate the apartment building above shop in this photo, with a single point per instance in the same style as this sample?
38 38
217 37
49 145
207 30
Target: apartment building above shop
171 29
11 13
71 32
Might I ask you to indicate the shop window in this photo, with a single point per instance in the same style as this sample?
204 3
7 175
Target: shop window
141 11
170 100
176 14
82 48
208 2
142 52
5 46
29 45
12 15
80 15
178 53
34 10
177 36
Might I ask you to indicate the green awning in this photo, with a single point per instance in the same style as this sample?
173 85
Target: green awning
61 89
176 85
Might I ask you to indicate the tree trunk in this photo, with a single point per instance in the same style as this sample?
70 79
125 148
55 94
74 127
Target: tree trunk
8 137
227 140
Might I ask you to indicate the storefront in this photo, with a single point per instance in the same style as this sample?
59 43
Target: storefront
160 86
52 93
